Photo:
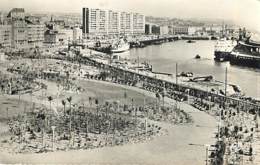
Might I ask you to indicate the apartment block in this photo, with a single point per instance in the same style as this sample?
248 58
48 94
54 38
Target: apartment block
35 35
19 34
101 22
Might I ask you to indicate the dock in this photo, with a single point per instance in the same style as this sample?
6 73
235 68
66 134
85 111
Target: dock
157 40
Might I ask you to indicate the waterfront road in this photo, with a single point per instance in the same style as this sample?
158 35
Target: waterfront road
172 148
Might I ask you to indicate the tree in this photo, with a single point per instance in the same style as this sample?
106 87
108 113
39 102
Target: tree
163 95
64 106
69 99
89 100
107 105
157 95
96 102
50 100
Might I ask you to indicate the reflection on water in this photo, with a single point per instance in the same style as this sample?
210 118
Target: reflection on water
164 58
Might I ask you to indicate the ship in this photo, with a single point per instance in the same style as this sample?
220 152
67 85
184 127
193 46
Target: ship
244 52
247 51
223 48
120 46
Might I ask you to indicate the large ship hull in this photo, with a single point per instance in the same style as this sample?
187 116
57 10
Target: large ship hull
244 60
246 53
221 56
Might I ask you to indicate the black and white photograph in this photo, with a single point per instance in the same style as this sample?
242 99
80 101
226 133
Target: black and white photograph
130 82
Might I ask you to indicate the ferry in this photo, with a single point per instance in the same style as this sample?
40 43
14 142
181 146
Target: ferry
223 48
120 46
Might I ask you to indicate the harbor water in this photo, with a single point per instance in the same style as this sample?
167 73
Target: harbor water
165 56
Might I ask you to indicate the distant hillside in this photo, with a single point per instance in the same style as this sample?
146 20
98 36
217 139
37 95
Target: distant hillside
185 22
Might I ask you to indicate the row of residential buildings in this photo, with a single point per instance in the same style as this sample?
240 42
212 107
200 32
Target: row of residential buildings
187 30
19 31
98 22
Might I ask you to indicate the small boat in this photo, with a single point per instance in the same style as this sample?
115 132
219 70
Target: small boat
190 41
185 74
197 56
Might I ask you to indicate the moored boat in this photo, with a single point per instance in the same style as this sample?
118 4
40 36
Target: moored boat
223 48
191 41
120 46
246 52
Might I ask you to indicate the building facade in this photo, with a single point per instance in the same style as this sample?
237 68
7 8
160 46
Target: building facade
54 37
1 18
77 34
155 29
138 23
35 35
164 30
5 35
16 13
180 30
20 32
101 22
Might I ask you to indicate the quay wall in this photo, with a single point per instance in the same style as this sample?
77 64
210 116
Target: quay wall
166 88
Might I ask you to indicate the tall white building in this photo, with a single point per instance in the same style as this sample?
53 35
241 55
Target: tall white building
101 22
77 34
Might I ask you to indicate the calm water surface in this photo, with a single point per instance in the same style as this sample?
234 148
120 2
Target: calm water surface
164 58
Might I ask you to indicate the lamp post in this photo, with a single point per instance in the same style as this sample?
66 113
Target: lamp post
145 127
188 91
207 148
219 125
7 113
53 136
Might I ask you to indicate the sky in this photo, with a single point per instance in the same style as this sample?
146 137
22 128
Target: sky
243 12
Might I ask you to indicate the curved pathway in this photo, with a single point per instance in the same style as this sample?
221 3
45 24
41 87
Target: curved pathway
173 148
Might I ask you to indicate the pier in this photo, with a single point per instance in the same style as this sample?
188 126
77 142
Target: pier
157 40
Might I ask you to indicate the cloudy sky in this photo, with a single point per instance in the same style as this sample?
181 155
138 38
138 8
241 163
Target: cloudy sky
244 12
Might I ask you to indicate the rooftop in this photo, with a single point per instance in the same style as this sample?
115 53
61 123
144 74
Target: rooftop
16 10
